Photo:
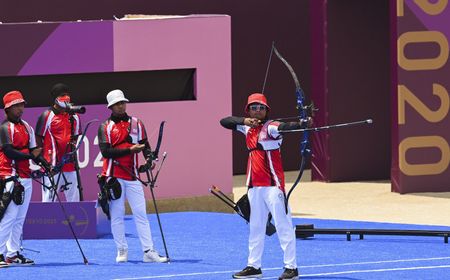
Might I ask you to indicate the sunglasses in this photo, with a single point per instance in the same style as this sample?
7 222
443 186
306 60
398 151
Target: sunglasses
257 107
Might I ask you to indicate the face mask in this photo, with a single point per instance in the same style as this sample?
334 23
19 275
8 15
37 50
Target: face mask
62 101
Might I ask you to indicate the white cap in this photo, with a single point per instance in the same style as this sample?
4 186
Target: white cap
115 96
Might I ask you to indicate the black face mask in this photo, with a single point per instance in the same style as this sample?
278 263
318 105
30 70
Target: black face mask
117 119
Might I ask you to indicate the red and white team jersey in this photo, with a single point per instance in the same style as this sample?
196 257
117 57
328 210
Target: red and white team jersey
21 136
264 167
54 127
121 135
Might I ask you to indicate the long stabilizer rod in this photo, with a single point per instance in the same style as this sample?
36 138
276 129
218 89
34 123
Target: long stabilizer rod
368 121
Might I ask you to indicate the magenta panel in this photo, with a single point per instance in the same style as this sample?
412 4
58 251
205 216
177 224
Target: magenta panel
421 153
74 47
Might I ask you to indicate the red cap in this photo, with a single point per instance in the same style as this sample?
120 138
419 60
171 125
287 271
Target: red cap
12 98
256 98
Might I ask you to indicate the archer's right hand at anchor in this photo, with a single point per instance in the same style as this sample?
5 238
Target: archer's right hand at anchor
252 122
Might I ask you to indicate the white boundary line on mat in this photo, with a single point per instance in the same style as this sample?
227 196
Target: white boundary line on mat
312 266
377 262
369 271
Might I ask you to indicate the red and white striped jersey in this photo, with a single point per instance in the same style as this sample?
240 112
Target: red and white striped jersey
121 135
264 166
21 136
54 127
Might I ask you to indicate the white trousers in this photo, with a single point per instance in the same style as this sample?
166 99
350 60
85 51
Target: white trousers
134 193
262 201
72 194
11 226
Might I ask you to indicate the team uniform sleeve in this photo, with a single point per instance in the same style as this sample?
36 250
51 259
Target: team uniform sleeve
147 152
102 135
32 142
105 145
12 153
275 127
78 128
235 123
293 125
232 122
7 145
142 131
41 124
272 130
5 137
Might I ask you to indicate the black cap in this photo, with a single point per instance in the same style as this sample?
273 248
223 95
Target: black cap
59 90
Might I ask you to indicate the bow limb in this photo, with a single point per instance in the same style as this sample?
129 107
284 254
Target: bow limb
305 150
155 153
77 147
154 156
289 67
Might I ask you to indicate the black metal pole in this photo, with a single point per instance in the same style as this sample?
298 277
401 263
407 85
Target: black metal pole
152 185
52 181
75 157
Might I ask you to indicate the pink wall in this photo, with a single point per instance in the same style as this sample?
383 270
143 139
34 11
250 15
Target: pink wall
199 149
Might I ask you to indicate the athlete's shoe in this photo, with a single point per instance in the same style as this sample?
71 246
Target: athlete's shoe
248 272
289 274
122 255
19 259
153 256
3 263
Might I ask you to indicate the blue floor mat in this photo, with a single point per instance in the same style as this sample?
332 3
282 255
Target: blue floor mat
214 245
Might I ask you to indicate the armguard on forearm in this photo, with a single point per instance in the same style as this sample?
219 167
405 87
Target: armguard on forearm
292 125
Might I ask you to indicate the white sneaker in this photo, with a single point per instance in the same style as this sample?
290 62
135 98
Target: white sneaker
3 262
122 255
153 256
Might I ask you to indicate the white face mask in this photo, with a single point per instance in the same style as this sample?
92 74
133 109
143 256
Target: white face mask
62 101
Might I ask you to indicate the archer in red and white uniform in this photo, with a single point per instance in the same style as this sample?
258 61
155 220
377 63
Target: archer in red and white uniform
17 147
265 180
121 138
53 134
